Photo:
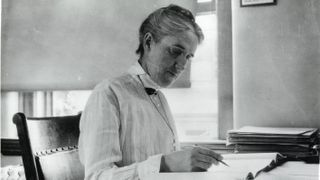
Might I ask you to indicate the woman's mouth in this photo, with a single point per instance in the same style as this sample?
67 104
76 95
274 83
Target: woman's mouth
173 74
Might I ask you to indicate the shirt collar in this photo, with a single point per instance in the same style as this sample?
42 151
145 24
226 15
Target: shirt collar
146 80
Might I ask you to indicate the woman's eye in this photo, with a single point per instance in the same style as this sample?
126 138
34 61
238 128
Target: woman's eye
189 57
175 52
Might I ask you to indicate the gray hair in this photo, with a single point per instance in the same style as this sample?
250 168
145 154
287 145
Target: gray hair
168 21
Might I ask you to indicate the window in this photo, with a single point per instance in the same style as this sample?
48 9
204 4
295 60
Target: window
9 106
69 102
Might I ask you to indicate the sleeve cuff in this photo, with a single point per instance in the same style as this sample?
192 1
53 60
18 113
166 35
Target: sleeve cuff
149 166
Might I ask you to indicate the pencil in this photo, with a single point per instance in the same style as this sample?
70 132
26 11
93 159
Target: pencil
216 159
223 163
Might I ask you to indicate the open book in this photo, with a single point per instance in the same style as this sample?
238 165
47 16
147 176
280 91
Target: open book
241 167
248 166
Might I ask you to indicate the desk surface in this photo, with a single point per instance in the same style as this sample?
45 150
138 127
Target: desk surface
288 171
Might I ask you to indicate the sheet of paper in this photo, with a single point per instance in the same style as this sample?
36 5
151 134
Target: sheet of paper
194 176
244 163
273 130
238 156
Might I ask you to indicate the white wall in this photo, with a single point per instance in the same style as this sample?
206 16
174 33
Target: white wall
71 44
276 58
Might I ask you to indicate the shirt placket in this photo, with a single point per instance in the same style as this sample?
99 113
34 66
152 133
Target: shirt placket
158 104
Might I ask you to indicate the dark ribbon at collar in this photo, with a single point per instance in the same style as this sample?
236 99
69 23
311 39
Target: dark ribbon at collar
150 91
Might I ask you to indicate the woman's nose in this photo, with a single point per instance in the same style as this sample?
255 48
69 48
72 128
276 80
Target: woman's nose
181 65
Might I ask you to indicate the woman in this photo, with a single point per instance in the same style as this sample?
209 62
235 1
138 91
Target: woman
127 130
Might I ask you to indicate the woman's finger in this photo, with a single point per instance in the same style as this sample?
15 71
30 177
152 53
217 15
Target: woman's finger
206 159
210 153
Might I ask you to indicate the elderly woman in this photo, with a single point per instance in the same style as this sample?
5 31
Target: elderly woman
127 130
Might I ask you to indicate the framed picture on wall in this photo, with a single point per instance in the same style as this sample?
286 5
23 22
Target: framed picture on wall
244 3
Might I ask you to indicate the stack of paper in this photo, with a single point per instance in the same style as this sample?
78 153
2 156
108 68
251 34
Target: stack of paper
270 139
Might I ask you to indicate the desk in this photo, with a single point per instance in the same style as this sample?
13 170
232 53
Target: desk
293 171
288 171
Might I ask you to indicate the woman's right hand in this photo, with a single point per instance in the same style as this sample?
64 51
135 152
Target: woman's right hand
190 160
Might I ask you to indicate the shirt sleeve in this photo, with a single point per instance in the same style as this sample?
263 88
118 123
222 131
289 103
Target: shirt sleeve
99 144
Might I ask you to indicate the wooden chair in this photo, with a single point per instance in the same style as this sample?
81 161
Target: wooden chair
49 147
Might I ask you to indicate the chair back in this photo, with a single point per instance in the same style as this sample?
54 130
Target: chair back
49 147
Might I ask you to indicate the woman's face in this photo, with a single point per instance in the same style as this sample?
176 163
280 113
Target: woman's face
169 57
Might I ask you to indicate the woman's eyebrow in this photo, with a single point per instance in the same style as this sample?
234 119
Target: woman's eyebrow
180 46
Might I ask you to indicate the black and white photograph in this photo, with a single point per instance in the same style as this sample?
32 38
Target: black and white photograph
160 89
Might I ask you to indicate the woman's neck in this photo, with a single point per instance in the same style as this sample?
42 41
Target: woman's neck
142 62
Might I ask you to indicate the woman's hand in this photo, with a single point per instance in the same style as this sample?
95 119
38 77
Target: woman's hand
190 160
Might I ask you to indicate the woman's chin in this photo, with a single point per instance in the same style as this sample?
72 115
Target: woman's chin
170 80
167 80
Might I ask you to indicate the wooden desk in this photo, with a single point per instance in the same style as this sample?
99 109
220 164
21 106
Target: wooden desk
288 171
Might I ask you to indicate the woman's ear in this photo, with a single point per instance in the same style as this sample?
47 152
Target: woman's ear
147 40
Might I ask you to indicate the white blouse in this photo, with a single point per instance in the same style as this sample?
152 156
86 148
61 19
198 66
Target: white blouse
123 130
